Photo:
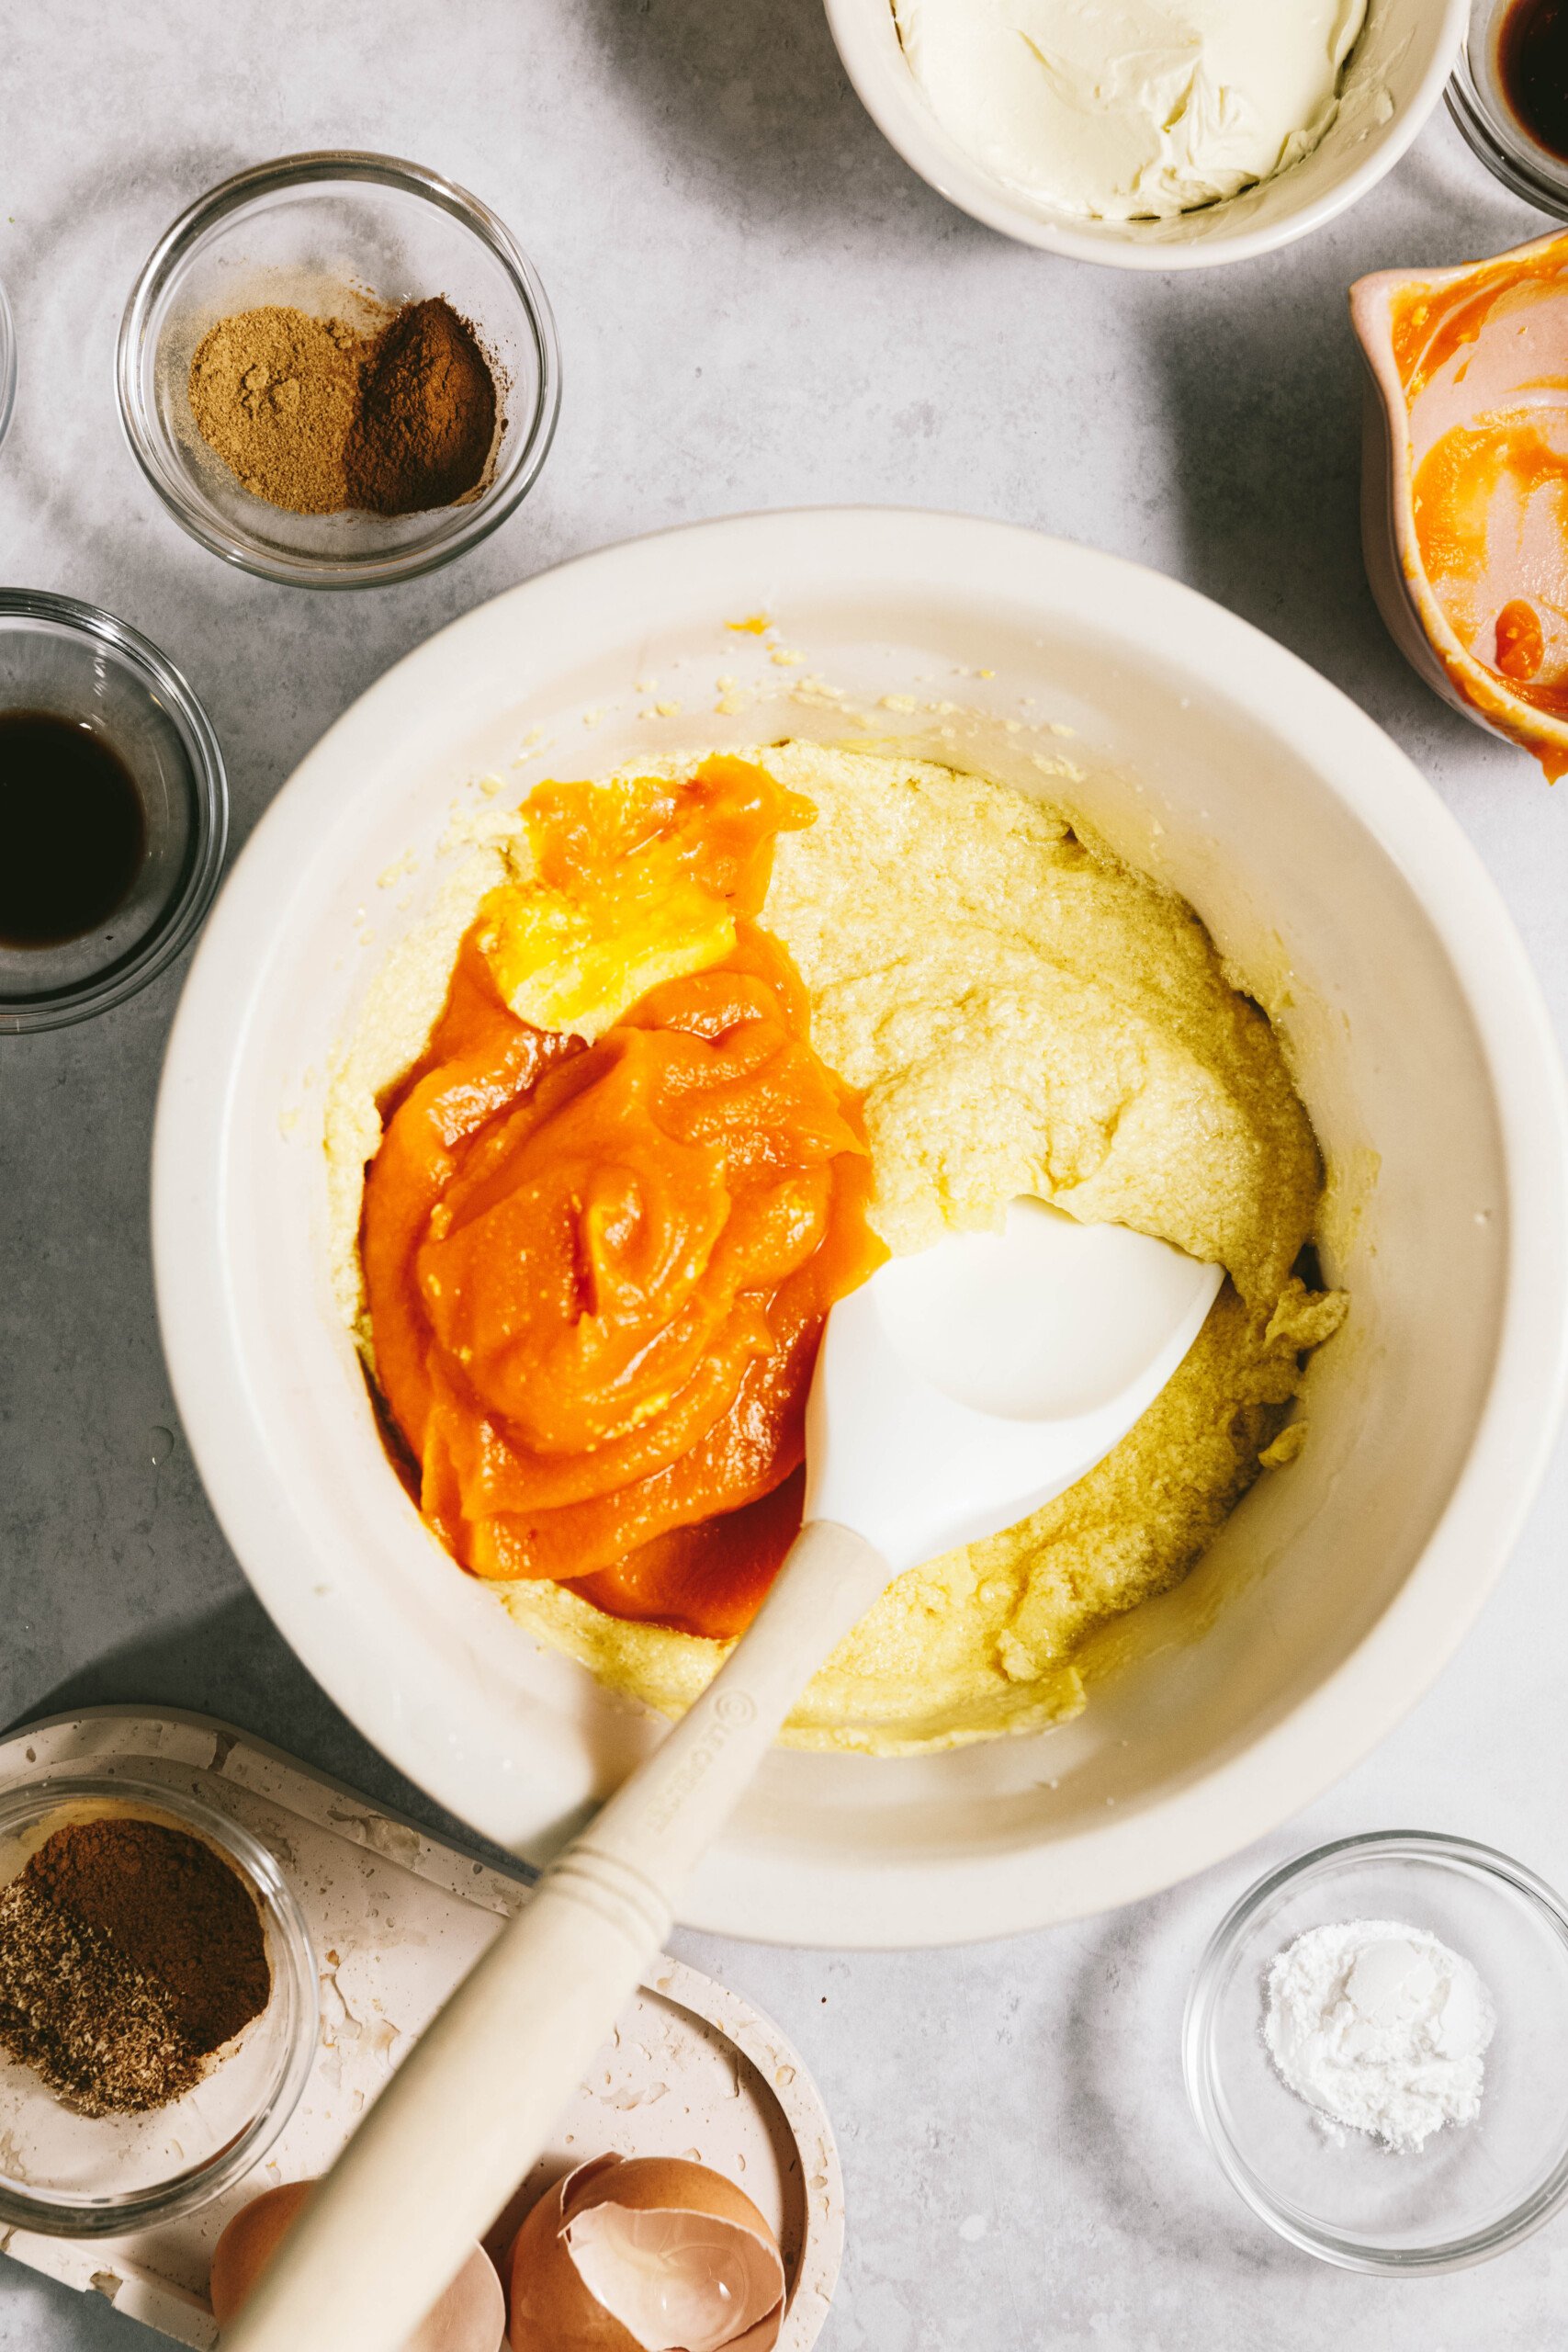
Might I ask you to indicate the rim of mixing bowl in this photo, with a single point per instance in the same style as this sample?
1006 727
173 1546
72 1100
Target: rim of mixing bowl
512 1738
183 915
446 540
1201 2071
1489 127
60 2214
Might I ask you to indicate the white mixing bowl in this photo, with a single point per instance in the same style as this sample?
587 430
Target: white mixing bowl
1392 81
1322 864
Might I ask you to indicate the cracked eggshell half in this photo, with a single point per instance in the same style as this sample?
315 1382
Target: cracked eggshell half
469 2317
642 2255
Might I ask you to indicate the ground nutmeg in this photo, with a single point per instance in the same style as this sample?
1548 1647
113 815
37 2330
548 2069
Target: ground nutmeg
274 393
129 1953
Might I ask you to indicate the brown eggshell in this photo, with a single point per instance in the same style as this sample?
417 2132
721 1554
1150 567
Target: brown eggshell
648 2184
248 2244
469 2317
552 2307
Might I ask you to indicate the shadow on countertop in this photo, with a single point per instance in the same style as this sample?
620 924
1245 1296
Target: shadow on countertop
757 112
233 1663
1143 2162
1261 384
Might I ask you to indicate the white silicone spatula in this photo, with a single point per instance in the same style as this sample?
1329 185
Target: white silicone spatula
956 1392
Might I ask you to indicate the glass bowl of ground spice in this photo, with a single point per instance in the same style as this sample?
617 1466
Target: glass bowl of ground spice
339 371
158 2005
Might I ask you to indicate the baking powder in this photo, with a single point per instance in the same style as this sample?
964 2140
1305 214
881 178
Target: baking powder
1381 2029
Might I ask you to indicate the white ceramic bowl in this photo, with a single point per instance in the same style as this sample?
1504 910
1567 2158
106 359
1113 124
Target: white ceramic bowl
1321 863
1394 78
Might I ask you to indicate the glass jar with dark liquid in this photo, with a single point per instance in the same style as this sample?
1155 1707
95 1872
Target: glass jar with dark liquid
1509 96
113 811
1532 69
73 831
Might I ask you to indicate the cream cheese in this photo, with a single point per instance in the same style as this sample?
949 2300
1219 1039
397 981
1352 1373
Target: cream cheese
1131 109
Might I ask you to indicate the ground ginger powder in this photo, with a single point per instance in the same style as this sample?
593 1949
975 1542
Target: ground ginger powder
276 394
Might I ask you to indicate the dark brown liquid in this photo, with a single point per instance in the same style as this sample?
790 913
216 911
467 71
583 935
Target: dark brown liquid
1533 66
72 834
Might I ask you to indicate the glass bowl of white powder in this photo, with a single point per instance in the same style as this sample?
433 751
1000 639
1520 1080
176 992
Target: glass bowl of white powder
1376 2050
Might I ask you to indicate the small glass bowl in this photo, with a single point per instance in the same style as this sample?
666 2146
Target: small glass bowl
71 2175
86 666
7 365
297 233
1489 124
1469 2192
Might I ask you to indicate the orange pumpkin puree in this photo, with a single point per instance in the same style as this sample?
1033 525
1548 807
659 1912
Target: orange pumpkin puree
597 1272
1490 491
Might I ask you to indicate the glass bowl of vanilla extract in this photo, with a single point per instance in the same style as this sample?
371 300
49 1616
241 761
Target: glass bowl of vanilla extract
114 811
1509 96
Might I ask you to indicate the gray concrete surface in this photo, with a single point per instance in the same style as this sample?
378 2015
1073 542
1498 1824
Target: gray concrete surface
758 306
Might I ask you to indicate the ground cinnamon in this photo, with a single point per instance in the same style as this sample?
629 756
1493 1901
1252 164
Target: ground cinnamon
426 415
129 1953
315 415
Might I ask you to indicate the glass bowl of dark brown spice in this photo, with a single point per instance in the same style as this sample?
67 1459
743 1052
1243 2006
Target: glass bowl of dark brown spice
339 371
158 2005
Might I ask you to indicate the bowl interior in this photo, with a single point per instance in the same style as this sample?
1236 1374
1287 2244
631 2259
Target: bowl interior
1464 2184
50 665
1392 79
300 243
82 2175
1313 851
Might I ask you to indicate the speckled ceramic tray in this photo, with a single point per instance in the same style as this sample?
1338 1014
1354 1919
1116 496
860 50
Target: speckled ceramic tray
398 1918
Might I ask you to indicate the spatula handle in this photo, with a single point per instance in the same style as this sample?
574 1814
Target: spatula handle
473 2104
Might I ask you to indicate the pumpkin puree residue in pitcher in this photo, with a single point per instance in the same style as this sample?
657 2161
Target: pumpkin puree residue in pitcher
613 1205
1483 363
